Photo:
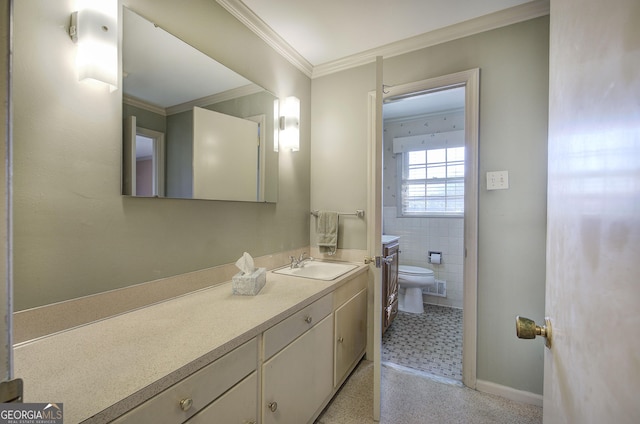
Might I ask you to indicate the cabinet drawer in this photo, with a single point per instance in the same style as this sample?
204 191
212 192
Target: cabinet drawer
201 388
238 406
291 328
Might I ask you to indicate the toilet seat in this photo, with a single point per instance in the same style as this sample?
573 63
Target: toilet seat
415 271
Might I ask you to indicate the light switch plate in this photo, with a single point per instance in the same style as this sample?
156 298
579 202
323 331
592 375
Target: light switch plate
498 180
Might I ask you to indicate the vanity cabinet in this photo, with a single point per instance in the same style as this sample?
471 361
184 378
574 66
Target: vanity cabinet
183 400
391 252
297 381
287 374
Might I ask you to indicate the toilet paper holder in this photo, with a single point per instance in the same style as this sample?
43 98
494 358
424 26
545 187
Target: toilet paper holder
434 257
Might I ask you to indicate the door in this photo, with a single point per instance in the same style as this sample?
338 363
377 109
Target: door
299 378
6 307
592 370
470 80
374 234
225 148
350 335
129 156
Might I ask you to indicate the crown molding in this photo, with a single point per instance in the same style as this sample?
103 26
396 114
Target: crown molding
234 93
513 15
474 26
245 15
141 104
216 98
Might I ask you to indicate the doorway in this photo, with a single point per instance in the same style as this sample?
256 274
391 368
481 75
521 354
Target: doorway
469 82
143 161
149 168
423 205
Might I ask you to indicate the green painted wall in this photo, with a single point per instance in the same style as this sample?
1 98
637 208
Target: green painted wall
74 234
513 64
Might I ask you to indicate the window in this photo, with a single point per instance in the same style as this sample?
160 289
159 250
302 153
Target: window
433 182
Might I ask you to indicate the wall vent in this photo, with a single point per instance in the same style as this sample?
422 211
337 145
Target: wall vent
438 289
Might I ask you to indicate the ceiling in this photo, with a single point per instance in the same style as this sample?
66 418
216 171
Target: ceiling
329 30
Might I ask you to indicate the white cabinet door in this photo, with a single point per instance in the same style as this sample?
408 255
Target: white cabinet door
350 335
298 379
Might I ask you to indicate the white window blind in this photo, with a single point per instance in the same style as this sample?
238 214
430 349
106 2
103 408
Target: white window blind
432 180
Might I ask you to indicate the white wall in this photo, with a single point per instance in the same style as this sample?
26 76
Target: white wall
513 64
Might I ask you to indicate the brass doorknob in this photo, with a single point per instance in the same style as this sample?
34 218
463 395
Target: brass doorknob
527 329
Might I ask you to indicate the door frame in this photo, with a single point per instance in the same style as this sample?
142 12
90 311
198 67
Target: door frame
470 79
6 247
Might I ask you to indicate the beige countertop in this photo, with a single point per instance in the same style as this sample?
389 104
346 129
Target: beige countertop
101 370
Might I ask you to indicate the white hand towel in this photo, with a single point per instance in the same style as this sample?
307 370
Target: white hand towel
327 231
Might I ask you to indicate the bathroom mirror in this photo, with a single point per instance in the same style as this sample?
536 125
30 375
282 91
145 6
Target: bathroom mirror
193 128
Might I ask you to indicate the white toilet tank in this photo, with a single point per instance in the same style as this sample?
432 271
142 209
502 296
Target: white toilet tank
414 276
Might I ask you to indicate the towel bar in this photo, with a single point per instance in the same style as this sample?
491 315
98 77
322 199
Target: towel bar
359 213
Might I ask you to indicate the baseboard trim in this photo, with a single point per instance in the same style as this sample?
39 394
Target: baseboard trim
509 392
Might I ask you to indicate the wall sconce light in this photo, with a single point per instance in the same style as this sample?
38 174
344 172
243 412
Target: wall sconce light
276 125
94 29
289 137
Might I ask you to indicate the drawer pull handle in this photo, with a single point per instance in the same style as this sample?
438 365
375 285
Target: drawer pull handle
186 404
250 422
273 406
340 339
308 319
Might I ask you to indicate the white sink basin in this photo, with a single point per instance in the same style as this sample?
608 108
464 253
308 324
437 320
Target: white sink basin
318 270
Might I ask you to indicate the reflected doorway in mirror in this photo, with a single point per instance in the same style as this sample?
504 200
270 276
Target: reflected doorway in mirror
143 161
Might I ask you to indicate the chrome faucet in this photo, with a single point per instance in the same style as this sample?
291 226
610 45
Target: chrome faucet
299 261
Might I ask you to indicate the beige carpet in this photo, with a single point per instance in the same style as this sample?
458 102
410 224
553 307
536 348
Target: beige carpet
410 398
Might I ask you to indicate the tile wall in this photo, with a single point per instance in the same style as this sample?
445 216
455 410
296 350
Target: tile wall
418 236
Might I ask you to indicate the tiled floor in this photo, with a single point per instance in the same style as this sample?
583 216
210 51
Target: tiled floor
429 342
410 398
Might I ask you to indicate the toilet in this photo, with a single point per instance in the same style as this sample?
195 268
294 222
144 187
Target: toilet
413 279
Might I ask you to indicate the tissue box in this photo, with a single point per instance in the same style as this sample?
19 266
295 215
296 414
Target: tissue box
249 284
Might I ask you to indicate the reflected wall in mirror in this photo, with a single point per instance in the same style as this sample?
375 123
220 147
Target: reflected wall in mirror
168 152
